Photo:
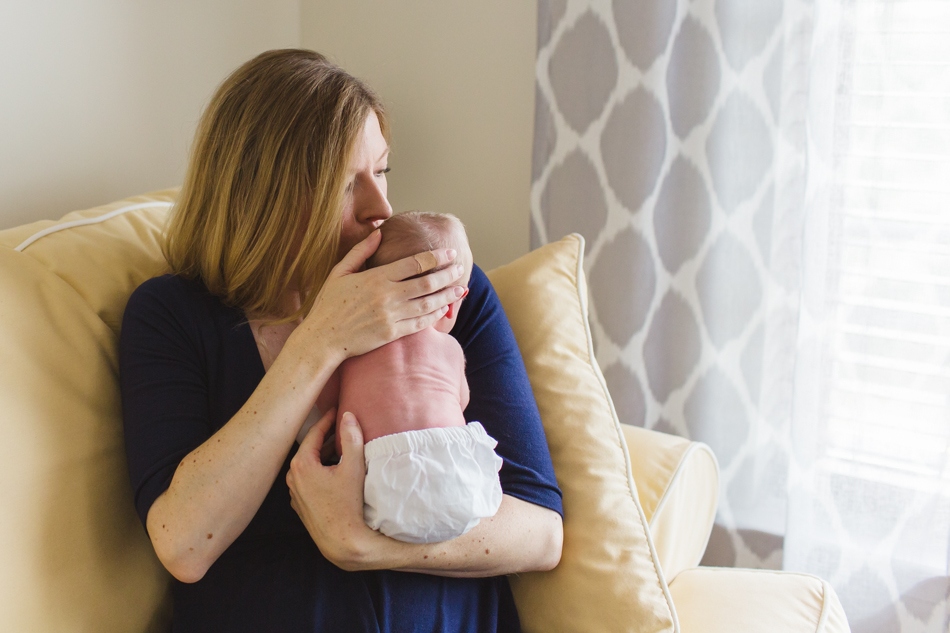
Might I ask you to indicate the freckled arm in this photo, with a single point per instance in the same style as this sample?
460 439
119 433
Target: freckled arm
218 487
520 537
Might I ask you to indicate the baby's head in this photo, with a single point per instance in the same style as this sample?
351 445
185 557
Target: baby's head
408 234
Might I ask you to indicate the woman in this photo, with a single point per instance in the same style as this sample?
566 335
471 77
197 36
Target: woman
221 364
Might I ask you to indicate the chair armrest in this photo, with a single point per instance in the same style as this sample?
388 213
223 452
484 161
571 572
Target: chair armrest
717 600
678 485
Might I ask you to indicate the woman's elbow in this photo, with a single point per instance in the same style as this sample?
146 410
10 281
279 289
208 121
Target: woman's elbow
181 561
550 554
176 551
185 566
186 571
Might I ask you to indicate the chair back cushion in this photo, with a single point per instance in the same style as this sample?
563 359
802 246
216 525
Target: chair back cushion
74 555
609 577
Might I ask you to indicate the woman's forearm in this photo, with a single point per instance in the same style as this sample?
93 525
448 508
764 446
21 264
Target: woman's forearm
520 537
218 487
329 500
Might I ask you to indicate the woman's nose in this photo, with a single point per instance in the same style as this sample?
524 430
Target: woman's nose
373 206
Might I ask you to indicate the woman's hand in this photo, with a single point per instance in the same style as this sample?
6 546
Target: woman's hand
329 499
356 312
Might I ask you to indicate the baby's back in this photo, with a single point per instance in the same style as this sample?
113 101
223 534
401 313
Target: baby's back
414 383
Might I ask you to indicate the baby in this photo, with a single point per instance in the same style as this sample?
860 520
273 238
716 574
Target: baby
429 475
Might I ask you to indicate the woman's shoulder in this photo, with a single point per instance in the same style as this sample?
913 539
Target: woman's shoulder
171 291
481 303
169 286
482 323
479 286
172 299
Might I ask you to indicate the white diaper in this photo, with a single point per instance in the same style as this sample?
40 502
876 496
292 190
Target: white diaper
431 485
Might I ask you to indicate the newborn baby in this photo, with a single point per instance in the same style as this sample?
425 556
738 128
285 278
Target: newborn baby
429 475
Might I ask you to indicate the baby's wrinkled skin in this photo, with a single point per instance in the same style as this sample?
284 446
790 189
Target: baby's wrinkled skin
418 382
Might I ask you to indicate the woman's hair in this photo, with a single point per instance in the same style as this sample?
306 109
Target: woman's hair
412 232
262 199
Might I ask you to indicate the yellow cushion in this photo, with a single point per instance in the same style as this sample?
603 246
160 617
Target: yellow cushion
102 253
714 600
608 578
74 555
678 486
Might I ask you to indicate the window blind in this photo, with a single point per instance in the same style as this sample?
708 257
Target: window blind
888 404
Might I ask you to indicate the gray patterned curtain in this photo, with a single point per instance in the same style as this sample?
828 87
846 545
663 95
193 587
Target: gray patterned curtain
793 314
663 136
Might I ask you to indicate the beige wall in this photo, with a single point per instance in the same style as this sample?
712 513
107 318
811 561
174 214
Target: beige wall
100 97
458 79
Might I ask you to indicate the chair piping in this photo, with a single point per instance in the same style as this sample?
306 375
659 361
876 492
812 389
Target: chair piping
83 222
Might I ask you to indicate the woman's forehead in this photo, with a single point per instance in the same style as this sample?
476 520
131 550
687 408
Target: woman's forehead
371 146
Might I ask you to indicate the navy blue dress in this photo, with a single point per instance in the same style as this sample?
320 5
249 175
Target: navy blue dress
187 365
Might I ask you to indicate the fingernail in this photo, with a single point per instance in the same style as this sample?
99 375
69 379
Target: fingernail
349 418
459 270
459 291
450 253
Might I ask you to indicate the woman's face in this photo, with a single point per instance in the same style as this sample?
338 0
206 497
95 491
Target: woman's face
366 206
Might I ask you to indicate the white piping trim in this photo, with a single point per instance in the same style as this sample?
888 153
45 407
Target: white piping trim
99 218
680 467
693 446
823 618
664 587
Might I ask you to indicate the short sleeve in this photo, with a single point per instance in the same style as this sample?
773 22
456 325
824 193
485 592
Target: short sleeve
501 396
164 387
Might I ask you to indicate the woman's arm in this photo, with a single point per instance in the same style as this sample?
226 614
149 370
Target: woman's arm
525 535
520 537
219 486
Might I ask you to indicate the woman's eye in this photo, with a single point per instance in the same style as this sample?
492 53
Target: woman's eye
382 172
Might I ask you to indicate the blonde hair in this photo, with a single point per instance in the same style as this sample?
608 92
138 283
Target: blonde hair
412 232
262 199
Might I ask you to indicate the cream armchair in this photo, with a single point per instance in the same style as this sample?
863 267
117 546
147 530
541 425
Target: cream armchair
73 556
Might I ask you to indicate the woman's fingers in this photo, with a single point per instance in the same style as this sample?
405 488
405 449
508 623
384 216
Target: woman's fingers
358 255
352 445
356 312
417 264
313 441
307 462
430 304
431 283
328 456
415 324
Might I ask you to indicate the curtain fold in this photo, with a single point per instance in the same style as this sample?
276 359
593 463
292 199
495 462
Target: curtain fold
869 504
669 135
713 154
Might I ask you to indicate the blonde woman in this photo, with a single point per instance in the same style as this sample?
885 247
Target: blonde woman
221 363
